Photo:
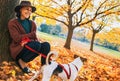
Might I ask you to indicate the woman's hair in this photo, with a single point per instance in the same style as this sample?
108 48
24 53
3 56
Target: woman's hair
18 14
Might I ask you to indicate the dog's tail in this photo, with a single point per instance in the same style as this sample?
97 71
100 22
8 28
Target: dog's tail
51 56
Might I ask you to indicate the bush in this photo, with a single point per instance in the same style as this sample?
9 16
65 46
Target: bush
50 29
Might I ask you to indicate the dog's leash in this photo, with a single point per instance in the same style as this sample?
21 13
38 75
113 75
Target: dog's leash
44 56
26 40
31 49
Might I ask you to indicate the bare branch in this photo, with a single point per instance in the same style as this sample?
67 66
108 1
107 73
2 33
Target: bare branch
33 2
77 24
100 6
75 19
109 9
68 2
92 28
72 2
59 5
80 24
76 10
79 8
108 14
99 14
100 27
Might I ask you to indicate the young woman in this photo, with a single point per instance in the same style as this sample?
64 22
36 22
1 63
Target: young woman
21 28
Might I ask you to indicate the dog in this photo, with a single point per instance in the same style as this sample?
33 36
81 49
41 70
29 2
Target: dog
64 71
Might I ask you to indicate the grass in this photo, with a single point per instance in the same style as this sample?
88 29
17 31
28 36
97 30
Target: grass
107 51
104 50
47 37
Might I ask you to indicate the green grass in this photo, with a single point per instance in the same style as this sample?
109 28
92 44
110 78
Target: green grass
108 51
46 36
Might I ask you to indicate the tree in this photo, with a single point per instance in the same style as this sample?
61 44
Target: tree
6 13
96 28
113 38
76 13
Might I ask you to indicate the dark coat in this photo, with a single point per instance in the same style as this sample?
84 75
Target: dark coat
17 32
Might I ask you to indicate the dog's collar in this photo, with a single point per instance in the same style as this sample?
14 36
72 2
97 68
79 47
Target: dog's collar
68 74
75 66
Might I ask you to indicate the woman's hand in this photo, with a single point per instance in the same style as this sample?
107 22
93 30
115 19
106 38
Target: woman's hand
24 41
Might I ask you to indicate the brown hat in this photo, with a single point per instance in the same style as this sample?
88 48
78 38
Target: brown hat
24 4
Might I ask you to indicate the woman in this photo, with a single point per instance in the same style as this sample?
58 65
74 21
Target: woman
21 28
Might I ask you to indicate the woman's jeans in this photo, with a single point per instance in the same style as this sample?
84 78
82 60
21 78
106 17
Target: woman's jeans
27 55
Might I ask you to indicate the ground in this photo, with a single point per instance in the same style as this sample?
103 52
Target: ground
99 67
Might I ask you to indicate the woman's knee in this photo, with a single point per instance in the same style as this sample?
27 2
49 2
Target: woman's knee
46 44
35 45
45 47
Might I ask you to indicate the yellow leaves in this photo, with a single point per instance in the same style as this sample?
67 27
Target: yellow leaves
99 22
97 68
49 11
35 65
50 21
85 20
98 71
107 12
12 79
85 4
55 78
113 36
13 72
44 1
45 9
111 3
117 13
5 63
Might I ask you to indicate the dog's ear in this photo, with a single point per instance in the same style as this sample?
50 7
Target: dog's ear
83 59
75 56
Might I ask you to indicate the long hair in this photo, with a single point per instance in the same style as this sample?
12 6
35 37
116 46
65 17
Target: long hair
18 14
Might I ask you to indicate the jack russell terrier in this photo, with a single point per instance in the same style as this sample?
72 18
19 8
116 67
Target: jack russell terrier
64 71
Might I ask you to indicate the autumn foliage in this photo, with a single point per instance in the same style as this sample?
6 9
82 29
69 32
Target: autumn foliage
98 68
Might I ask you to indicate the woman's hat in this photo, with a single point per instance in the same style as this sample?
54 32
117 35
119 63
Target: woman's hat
24 4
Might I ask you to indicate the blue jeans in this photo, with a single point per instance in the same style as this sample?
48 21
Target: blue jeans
27 55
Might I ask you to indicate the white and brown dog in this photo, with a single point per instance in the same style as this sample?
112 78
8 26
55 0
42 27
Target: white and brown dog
64 71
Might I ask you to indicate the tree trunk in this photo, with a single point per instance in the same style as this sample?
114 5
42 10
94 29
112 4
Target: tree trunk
6 13
69 37
92 41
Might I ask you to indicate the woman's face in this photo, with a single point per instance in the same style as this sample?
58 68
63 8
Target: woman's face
25 12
